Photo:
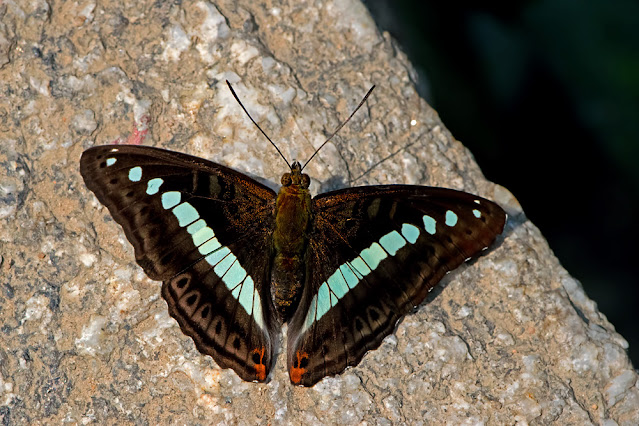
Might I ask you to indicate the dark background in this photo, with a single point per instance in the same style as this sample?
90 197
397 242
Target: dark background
546 96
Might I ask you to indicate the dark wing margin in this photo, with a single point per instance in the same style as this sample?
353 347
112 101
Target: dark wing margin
374 254
204 230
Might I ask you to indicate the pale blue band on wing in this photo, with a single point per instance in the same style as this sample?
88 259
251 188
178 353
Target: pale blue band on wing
349 274
153 186
430 224
202 235
171 199
185 214
373 255
135 174
451 218
410 232
196 227
392 242
225 264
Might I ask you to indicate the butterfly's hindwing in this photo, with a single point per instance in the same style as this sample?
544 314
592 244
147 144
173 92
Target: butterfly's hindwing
239 334
374 254
204 230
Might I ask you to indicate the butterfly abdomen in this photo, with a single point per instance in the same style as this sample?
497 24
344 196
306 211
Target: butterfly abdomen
290 242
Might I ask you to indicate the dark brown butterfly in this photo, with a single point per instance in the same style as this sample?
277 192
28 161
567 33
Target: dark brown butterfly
238 260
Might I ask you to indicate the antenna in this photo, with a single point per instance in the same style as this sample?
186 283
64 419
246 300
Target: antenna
321 146
258 126
338 127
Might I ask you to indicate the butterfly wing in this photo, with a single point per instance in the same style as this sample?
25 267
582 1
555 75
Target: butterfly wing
374 254
204 230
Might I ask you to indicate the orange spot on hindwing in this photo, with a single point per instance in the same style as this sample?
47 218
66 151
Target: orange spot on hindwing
257 356
299 367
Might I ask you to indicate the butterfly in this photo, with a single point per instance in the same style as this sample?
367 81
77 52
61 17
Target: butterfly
238 260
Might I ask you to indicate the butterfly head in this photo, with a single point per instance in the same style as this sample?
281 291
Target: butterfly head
296 177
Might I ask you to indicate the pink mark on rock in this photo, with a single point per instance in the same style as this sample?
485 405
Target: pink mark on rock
139 133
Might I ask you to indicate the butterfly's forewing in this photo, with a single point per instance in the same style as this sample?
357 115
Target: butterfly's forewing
204 230
374 254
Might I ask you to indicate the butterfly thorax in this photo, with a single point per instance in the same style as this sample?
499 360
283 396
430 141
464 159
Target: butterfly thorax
290 241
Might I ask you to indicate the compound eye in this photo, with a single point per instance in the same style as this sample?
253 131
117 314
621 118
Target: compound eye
286 179
305 181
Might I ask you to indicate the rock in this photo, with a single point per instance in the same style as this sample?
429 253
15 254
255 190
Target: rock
507 338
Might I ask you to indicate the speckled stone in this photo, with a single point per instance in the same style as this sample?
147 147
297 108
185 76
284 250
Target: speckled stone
509 338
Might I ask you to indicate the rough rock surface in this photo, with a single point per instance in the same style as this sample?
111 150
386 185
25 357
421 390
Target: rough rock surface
84 335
